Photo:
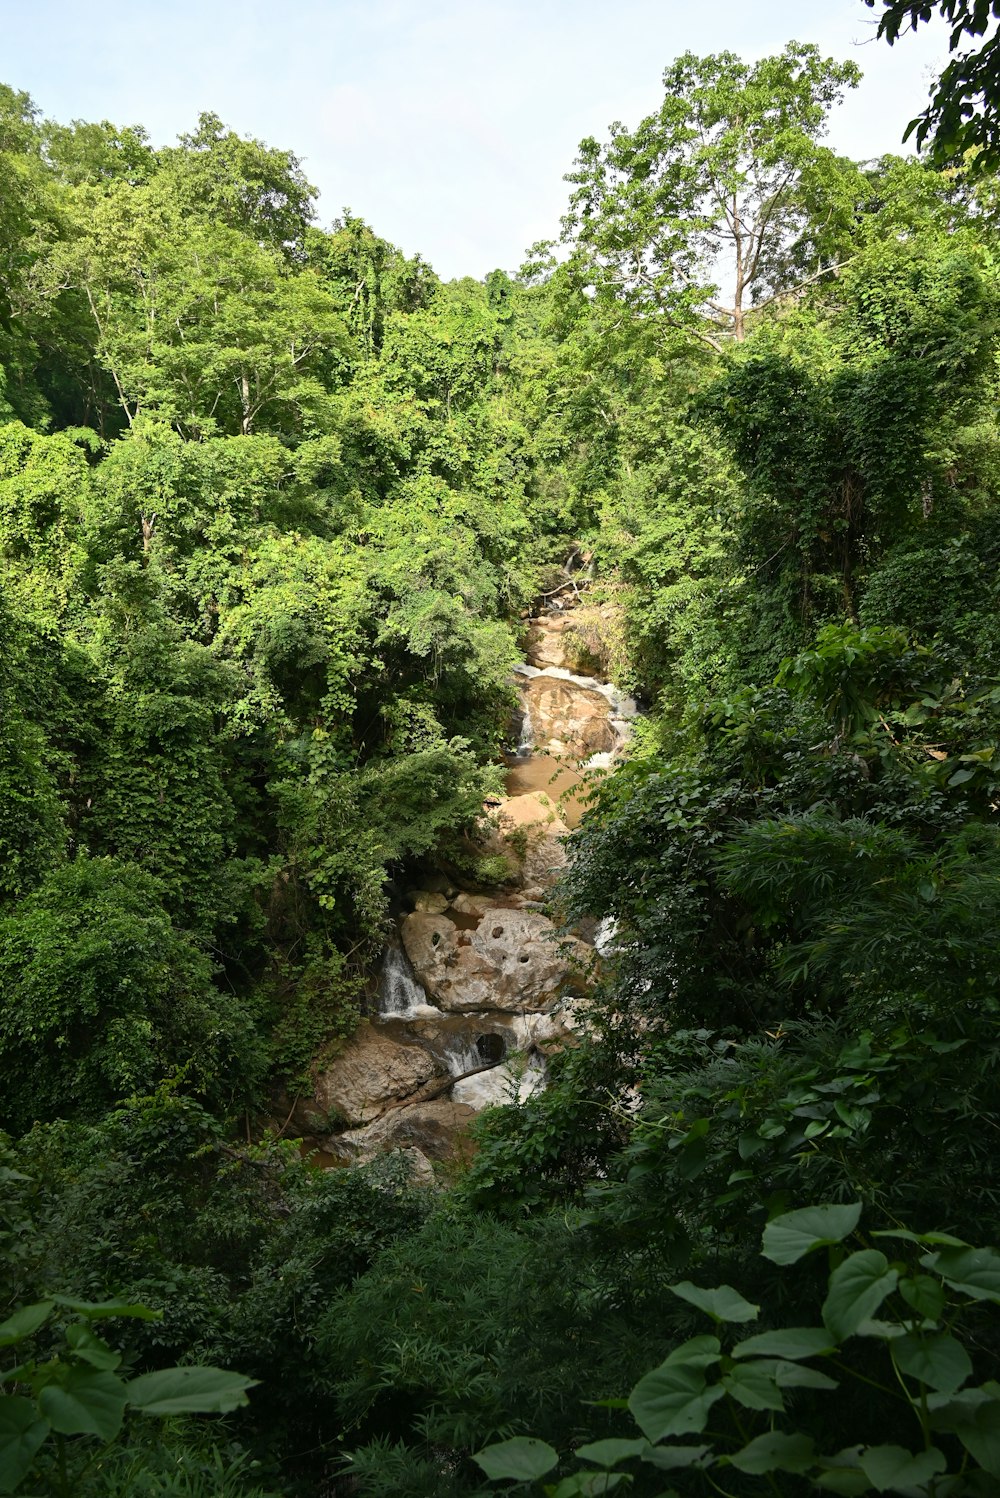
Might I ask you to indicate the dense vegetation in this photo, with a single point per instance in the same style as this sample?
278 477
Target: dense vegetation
273 502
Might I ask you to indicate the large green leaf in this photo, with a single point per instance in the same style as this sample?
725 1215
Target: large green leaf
90 1348
524 1458
791 1236
891 1469
21 1434
925 1295
612 1451
974 1416
673 1399
792 1375
974 1271
23 1322
935 1358
85 1402
589 1484
722 1303
672 1458
103 1310
753 1385
857 1289
189 1391
790 1342
775 1452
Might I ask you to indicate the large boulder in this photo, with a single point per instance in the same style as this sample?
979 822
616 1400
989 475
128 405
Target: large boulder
527 831
371 1072
438 1129
512 961
568 717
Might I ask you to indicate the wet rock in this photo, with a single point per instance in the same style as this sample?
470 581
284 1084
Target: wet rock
511 962
438 1130
569 718
372 1070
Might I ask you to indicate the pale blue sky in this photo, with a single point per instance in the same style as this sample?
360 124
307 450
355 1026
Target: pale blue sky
447 124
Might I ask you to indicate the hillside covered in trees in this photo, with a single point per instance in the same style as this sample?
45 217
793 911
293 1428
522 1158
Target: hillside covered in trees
275 503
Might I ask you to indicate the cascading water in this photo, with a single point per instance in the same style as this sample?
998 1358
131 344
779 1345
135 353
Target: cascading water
400 996
492 1051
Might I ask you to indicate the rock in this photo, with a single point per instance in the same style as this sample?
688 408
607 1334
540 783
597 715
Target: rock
582 638
471 904
437 1130
527 831
372 1070
420 1168
425 899
512 961
568 717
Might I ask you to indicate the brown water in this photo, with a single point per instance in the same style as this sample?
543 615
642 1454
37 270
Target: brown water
544 774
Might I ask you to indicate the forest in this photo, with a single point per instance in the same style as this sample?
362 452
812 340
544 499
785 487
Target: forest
276 506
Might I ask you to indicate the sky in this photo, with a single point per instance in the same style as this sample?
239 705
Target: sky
447 124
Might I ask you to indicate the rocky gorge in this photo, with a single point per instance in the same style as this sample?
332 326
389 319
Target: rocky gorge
477 986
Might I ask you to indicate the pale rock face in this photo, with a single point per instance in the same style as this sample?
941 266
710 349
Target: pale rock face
420 1168
528 832
511 962
471 904
438 1130
424 899
568 718
372 1070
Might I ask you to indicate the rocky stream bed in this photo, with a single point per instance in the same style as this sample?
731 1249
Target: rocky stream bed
476 988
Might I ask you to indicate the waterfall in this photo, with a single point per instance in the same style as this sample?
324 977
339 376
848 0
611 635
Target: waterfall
400 996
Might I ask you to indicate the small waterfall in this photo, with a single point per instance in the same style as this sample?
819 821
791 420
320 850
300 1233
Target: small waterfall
526 742
400 996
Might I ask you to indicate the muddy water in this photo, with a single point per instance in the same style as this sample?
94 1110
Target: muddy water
531 774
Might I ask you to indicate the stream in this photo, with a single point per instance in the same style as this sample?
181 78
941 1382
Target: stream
474 984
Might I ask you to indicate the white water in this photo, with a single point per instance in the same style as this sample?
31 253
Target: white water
400 996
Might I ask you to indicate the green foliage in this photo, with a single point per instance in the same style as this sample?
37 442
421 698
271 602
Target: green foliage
103 996
54 1404
741 1388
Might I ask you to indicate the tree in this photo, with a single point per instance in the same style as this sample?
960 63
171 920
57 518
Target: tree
707 184
963 116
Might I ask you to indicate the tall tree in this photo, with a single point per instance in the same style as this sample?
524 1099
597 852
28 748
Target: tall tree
705 190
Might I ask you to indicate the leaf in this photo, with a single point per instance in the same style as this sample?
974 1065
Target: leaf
722 1304
924 1294
189 1391
791 1236
775 1452
935 1358
795 1375
608 1453
973 1416
21 1434
23 1322
588 1484
857 1289
974 1271
754 1386
790 1342
523 1458
891 1467
673 1399
90 1348
85 1402
670 1458
104 1309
